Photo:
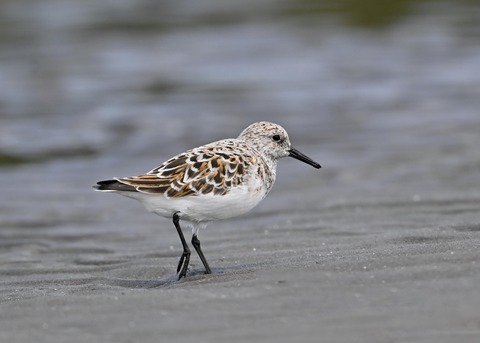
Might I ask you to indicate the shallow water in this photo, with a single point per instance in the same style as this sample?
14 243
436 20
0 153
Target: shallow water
380 244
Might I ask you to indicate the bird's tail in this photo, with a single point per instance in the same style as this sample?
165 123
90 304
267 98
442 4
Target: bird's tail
112 186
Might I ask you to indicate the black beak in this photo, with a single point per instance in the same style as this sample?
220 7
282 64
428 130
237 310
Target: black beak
301 157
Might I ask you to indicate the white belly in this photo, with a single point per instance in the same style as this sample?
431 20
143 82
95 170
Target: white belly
201 208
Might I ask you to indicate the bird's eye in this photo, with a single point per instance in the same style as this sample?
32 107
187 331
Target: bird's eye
276 138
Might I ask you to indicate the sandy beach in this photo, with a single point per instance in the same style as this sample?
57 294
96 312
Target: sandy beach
319 263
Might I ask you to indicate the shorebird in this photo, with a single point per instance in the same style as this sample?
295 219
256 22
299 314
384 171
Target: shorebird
215 181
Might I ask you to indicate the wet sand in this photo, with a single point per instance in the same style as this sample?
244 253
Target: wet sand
374 271
330 263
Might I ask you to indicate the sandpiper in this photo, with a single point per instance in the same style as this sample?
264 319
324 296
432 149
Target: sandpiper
215 181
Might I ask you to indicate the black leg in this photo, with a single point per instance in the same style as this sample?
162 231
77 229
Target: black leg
196 245
185 259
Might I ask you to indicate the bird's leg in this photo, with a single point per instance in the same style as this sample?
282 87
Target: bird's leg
185 259
196 245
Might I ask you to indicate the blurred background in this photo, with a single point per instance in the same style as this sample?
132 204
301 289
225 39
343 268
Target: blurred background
385 95
382 242
98 78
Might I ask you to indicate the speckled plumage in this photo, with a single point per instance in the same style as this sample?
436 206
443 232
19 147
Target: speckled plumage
215 169
215 181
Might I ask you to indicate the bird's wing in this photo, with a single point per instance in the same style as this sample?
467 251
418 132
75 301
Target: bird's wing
209 169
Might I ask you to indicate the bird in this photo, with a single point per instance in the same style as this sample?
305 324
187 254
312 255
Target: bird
216 181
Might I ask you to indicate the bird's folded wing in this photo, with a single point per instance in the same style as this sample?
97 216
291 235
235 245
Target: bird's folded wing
193 173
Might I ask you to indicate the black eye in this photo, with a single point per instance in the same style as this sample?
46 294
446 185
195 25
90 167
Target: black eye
276 138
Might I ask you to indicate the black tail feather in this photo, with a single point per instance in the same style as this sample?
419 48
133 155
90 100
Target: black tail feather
113 185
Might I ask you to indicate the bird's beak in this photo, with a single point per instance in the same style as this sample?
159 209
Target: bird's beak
301 157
